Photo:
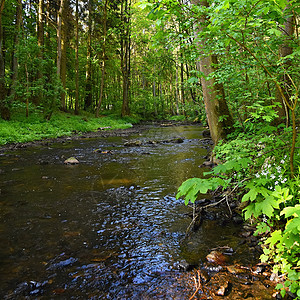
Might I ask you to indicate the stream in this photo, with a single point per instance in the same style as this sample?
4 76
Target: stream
109 227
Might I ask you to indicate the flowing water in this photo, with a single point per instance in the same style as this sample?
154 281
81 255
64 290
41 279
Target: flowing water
107 228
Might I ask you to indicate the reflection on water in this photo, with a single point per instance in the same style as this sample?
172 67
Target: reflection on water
108 228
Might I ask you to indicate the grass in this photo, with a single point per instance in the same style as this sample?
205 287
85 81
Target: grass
21 129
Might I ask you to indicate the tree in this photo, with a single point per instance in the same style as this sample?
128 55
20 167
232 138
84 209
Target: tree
218 117
62 45
77 61
103 58
125 55
285 50
14 65
5 113
88 82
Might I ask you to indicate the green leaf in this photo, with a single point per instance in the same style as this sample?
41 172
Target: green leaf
275 237
279 286
191 188
293 225
264 258
282 293
251 195
267 208
274 31
249 211
291 211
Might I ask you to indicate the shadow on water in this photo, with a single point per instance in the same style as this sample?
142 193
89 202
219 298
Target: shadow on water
107 228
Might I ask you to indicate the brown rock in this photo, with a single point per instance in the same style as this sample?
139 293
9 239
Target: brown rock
216 257
234 270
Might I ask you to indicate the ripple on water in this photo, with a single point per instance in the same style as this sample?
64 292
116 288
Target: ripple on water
108 228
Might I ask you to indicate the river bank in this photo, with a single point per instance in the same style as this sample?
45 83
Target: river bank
104 132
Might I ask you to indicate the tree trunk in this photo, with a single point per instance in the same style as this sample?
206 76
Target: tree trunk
182 83
40 26
14 65
62 49
285 50
125 56
64 46
154 92
77 62
103 58
217 112
177 91
59 33
4 111
40 37
47 33
88 78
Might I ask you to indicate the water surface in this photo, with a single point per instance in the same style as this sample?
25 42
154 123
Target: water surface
107 228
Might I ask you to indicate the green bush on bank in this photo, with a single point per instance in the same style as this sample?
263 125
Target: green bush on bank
21 129
255 170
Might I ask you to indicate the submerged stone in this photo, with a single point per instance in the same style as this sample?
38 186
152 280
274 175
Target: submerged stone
133 144
71 161
216 257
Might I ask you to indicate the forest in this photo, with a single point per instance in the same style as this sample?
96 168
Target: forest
232 65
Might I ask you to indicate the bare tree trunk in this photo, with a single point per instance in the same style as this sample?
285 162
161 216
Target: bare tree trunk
177 91
182 83
125 56
47 33
217 112
64 46
14 65
37 98
77 62
103 58
88 78
40 26
288 30
154 93
5 113
59 34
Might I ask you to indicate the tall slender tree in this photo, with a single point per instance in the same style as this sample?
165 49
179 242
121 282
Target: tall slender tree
14 65
77 60
286 49
62 44
88 81
125 54
103 58
5 113
217 112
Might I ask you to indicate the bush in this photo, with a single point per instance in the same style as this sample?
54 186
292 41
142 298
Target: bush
256 170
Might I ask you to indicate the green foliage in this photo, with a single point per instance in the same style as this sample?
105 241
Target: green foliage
257 168
176 118
21 129
193 187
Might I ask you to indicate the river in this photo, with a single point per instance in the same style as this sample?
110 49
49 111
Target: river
109 227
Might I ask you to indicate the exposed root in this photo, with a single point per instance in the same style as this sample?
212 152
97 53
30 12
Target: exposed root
198 284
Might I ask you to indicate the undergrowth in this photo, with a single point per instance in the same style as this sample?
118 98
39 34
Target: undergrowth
21 129
255 170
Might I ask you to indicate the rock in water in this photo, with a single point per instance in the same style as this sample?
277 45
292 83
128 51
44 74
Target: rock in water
133 144
216 257
222 290
183 265
71 161
178 140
